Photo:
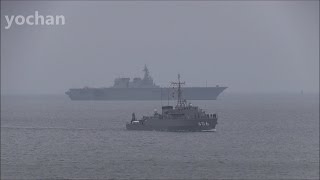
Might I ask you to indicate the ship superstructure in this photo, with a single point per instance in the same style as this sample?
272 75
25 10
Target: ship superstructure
137 82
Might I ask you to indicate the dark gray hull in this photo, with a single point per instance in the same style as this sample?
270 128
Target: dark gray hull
174 125
190 93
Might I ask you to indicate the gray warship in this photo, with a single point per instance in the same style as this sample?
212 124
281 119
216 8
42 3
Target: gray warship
141 89
183 117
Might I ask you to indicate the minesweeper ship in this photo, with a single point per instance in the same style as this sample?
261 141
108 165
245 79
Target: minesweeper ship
184 117
141 89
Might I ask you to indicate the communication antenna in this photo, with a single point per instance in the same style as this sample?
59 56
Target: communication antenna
180 101
168 95
161 95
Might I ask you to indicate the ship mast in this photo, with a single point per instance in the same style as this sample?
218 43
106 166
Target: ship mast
146 73
180 102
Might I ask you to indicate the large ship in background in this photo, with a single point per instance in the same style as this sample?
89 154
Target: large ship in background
142 89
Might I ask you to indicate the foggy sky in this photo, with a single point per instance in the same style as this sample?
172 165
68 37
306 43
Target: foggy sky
247 46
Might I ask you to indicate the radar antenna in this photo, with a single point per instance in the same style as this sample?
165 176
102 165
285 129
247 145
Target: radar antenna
180 102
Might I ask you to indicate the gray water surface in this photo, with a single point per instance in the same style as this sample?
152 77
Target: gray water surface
258 136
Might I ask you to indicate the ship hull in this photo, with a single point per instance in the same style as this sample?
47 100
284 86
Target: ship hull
190 93
174 125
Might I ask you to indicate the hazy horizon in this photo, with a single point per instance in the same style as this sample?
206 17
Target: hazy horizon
250 47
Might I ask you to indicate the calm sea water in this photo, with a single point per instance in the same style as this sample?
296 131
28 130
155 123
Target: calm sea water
258 136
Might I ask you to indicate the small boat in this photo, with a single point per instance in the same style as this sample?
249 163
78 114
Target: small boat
183 117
